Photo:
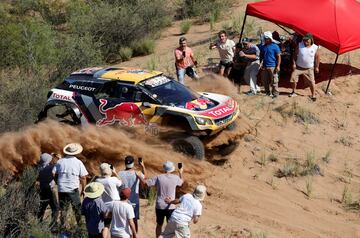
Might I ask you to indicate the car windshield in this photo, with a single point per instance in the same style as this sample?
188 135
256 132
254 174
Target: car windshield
169 92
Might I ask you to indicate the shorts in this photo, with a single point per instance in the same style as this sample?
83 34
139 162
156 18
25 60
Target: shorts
308 74
161 214
225 65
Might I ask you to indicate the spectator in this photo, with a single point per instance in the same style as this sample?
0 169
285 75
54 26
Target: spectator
239 64
251 54
185 61
226 50
271 60
47 184
131 179
69 172
306 59
94 209
122 216
111 184
190 209
165 184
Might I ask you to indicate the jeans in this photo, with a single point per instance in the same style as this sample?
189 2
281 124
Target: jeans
190 71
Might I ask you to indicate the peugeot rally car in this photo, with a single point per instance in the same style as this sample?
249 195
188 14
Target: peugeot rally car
131 97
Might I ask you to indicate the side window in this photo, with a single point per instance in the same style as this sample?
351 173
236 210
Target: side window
107 91
125 93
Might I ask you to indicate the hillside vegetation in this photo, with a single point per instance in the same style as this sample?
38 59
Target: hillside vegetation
44 40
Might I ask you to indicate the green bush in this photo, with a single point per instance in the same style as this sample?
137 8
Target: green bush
185 26
144 46
125 53
205 9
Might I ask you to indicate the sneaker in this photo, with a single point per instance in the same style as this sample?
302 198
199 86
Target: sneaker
293 94
250 94
269 94
275 96
313 99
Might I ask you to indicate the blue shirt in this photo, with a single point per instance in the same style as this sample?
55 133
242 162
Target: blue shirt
268 54
130 180
93 210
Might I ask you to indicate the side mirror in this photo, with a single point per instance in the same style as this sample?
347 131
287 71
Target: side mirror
146 104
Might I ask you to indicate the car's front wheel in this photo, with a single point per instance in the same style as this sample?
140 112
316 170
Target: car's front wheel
191 146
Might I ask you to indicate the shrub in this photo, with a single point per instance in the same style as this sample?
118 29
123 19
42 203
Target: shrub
125 53
205 9
18 205
144 46
22 97
185 26
290 169
310 166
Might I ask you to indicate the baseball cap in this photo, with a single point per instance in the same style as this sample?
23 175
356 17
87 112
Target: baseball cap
129 161
308 36
45 159
168 166
125 193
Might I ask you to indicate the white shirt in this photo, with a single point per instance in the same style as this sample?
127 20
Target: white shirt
306 56
121 213
226 50
69 170
189 207
111 186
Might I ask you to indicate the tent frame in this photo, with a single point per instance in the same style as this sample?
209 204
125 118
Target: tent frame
332 68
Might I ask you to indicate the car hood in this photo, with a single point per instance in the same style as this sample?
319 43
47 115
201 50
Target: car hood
209 105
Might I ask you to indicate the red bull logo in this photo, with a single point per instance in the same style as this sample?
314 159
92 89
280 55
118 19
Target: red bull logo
126 114
200 103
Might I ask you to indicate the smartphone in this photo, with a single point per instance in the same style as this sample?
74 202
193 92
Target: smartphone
179 165
111 167
140 160
184 54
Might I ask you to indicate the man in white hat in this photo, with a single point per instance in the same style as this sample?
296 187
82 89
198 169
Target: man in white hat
111 183
165 184
190 209
94 209
69 171
271 60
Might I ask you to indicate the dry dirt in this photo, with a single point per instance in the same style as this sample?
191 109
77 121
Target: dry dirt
245 199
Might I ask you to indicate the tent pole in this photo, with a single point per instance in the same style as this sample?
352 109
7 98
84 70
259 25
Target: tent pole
242 28
331 74
283 29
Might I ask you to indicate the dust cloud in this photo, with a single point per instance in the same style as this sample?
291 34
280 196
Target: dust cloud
107 144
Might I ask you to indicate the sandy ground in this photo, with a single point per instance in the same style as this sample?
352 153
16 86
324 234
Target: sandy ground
246 198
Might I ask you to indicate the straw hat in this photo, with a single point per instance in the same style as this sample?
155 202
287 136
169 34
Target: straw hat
94 190
73 149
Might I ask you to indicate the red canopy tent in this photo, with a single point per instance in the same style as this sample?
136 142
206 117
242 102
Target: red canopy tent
335 24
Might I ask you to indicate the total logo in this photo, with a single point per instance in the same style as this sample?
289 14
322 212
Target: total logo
220 111
61 97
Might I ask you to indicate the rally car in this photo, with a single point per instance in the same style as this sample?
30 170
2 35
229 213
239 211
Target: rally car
132 97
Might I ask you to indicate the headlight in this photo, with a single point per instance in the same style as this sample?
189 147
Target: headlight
203 121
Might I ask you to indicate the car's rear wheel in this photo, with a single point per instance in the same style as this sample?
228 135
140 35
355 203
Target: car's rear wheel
191 146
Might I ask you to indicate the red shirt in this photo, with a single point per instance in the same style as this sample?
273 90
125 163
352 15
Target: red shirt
187 60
